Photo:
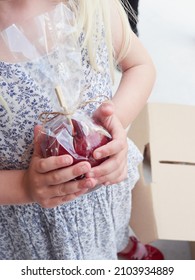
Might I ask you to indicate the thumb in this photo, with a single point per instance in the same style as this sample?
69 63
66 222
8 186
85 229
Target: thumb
106 109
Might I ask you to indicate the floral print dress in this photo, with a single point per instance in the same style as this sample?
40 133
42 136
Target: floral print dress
93 226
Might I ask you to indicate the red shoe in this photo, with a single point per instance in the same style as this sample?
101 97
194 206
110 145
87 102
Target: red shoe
140 251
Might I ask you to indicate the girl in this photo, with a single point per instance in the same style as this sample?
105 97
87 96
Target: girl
44 213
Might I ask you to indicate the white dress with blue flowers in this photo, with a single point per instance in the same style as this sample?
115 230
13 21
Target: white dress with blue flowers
95 225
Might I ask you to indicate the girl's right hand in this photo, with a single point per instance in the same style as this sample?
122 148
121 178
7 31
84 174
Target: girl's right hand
50 181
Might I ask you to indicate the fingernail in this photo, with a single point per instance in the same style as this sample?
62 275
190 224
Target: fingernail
98 155
88 184
67 160
90 175
84 169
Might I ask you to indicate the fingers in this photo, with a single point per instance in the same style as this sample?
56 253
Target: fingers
114 177
55 185
52 181
71 187
45 165
113 170
58 194
63 199
111 148
56 171
104 112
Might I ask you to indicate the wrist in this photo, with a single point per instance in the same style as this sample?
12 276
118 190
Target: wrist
26 196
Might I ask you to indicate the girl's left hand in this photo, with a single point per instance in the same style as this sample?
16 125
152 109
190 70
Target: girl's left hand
114 169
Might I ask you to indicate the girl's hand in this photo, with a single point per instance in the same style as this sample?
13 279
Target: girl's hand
114 169
49 181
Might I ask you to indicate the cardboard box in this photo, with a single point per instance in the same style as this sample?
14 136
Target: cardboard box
164 208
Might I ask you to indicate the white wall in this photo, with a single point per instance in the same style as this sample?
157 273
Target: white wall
167 29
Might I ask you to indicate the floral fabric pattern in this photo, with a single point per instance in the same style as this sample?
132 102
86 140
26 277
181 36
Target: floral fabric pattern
94 226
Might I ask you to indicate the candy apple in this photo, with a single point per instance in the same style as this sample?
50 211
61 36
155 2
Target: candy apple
76 137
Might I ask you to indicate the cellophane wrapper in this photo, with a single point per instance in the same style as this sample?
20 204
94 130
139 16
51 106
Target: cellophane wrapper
50 38
78 138
48 35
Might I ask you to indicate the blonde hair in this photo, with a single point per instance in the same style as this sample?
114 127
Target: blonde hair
88 12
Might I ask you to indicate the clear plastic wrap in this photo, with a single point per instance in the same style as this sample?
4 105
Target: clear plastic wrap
54 34
78 137
49 35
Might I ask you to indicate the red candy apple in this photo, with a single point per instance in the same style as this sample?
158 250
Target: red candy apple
78 137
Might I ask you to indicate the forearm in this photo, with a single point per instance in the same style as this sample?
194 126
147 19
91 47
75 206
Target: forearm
133 91
138 73
12 189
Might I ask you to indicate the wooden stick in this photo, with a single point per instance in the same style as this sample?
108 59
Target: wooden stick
62 102
61 99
